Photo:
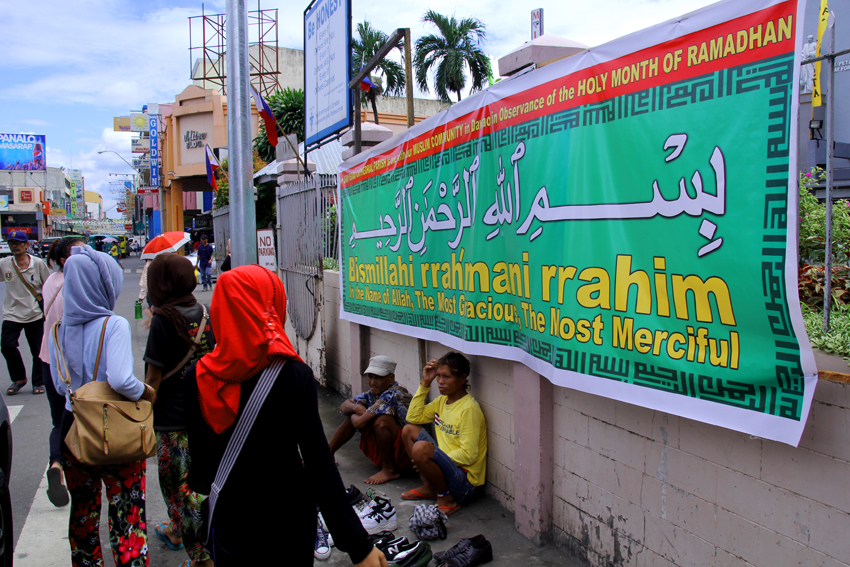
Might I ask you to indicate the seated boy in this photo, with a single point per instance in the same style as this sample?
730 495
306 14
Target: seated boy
452 472
379 415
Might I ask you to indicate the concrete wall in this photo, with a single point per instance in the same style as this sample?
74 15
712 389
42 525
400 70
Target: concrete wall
634 487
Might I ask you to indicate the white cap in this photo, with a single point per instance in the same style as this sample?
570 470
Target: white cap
381 366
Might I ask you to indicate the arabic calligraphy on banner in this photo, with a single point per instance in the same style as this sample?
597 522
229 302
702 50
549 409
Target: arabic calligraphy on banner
619 221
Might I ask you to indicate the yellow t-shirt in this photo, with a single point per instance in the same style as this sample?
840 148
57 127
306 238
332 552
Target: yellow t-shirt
461 430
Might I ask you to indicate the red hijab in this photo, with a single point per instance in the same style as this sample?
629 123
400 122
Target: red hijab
247 312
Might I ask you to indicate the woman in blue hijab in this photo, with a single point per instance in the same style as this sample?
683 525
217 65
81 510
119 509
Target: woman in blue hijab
92 285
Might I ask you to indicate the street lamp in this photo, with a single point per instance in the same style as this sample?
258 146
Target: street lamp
117 154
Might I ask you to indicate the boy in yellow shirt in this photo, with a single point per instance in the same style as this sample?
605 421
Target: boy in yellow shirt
452 472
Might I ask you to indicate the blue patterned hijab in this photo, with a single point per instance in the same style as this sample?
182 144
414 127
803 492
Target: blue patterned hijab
92 284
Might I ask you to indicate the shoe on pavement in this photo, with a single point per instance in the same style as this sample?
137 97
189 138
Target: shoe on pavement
392 546
374 539
458 548
380 518
420 556
354 494
375 503
477 553
402 552
327 531
323 549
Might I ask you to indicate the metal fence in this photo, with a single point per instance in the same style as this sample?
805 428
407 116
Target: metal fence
307 235
221 232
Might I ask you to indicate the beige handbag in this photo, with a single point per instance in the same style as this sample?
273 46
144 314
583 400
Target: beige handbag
108 428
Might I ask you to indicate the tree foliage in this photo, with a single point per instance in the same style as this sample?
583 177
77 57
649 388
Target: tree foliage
450 53
812 235
363 47
287 105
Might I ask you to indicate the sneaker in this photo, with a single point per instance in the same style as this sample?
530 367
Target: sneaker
402 552
379 518
418 557
323 548
374 539
327 531
375 503
354 494
392 546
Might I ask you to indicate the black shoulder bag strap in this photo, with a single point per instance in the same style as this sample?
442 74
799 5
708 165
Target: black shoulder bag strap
243 427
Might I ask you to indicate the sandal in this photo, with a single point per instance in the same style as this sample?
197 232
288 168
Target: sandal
38 389
449 510
414 494
158 531
15 388
57 493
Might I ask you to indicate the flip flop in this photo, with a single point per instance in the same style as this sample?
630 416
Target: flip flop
56 491
38 389
414 494
158 531
449 510
15 388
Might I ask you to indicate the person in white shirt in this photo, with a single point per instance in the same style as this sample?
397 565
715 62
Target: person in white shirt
24 275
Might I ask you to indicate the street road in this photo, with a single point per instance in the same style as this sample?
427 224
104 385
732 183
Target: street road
40 529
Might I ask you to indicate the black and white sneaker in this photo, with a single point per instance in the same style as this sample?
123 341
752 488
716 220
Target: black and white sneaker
392 546
380 517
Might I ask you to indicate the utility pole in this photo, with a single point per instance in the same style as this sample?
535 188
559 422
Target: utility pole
243 216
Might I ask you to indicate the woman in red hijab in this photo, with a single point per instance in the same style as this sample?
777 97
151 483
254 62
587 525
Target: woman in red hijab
267 508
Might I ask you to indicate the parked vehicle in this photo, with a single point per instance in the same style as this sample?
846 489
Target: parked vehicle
44 247
4 249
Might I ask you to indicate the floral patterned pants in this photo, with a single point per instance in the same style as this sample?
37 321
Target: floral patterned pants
125 489
184 506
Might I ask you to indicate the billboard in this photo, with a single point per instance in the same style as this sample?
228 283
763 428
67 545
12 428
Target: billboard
121 124
153 128
140 145
22 152
327 60
622 221
138 122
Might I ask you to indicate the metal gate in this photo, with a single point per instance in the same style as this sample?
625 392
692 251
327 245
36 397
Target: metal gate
307 234
221 232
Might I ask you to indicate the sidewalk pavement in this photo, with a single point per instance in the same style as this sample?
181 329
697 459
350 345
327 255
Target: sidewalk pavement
484 516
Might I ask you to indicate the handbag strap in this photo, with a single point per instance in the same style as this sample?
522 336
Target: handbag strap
24 281
66 377
243 427
52 301
194 347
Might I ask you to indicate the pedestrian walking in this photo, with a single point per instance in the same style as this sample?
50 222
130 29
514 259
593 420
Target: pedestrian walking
225 266
54 303
22 311
205 252
115 252
90 328
180 334
248 313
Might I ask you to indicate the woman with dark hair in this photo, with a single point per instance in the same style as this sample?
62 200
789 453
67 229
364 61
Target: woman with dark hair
54 307
180 334
452 467
248 313
93 338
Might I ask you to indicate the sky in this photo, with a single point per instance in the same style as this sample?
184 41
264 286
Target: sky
69 67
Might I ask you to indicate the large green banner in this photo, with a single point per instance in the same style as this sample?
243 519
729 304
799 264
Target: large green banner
622 221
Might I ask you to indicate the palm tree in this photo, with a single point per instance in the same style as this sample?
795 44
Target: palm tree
455 48
362 50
